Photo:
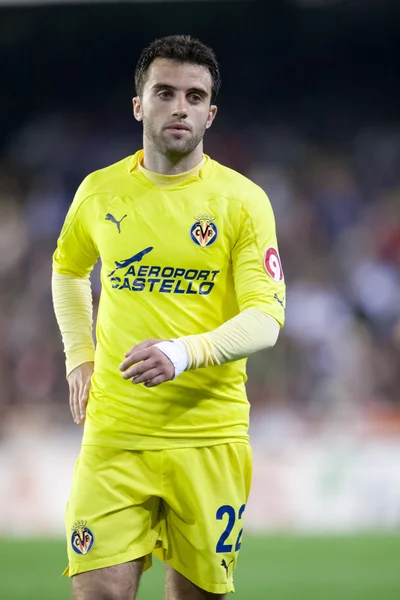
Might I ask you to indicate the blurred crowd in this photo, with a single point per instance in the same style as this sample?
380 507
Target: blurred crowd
337 209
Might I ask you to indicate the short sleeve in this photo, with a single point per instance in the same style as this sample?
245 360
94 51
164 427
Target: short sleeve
257 268
76 252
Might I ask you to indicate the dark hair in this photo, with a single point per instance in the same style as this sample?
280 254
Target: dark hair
182 48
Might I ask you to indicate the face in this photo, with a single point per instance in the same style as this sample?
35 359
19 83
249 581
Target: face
175 106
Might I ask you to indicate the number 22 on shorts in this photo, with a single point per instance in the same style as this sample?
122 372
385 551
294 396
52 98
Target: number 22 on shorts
226 509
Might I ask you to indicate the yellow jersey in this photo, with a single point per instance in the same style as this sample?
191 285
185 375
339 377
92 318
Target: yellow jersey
175 261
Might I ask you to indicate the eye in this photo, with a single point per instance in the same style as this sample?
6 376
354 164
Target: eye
195 98
165 95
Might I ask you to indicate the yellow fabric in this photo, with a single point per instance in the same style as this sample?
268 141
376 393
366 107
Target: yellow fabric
159 281
72 300
73 304
248 332
177 505
164 181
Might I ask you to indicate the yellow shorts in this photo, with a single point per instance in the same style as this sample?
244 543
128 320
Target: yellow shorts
184 505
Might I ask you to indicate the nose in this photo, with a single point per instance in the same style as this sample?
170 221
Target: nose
180 113
180 109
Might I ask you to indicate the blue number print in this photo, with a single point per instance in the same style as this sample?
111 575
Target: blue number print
230 511
239 538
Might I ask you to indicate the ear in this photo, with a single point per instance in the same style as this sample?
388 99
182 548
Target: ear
137 108
212 113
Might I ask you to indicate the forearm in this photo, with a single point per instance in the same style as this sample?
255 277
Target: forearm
243 335
73 307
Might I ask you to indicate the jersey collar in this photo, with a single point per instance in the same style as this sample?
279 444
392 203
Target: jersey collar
132 168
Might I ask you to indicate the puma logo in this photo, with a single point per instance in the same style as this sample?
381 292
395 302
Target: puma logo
279 300
110 217
226 566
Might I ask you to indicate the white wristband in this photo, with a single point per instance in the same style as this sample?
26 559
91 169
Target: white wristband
177 354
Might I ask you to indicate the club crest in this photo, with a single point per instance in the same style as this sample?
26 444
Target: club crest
204 232
82 539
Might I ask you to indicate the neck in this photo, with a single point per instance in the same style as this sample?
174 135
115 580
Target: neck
170 164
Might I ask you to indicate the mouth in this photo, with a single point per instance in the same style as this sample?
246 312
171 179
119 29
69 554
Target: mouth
177 128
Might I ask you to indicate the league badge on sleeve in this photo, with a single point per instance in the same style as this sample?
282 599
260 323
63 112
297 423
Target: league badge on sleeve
204 231
272 264
82 539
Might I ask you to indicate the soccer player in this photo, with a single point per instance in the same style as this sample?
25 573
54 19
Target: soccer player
192 284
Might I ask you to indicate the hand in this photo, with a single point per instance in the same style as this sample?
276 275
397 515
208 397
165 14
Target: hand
153 368
79 385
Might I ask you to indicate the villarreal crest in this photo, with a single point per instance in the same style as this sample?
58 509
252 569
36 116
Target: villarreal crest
204 232
82 538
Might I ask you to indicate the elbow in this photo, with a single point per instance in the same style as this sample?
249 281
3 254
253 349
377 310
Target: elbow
272 329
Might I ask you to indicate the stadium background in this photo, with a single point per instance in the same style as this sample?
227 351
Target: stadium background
309 109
